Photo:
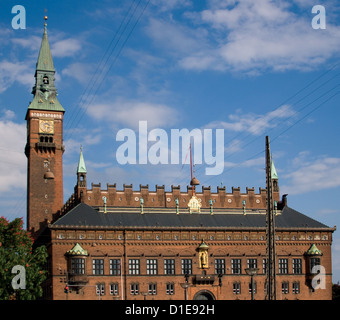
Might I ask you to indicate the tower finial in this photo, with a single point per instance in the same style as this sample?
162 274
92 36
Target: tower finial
45 18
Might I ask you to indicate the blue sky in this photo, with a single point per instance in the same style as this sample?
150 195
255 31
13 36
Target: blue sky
252 68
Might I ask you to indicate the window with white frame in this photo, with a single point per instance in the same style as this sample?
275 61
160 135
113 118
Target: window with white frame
236 266
169 266
134 288
237 288
285 287
98 266
283 266
170 288
252 263
296 287
100 289
151 266
152 289
297 266
134 266
186 266
115 268
114 289
219 266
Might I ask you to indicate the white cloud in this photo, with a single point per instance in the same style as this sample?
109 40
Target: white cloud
11 72
66 47
254 123
247 36
313 175
12 158
257 162
80 71
129 113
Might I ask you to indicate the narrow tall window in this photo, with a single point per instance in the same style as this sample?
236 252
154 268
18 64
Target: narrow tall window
296 287
134 288
170 288
285 287
114 289
237 288
100 289
152 289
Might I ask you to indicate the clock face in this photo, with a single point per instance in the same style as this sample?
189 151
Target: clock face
46 126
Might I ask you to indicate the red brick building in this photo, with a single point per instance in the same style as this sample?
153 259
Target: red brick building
159 244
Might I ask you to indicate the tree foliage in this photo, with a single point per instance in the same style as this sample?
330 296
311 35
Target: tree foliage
16 249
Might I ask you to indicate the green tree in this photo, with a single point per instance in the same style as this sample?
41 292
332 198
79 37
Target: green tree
16 249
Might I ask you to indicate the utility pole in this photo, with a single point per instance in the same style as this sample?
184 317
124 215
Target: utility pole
270 231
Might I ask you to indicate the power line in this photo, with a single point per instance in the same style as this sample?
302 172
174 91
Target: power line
295 113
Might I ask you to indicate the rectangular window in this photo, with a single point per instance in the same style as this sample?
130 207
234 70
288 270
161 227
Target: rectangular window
237 288
254 287
219 266
283 266
252 263
169 266
264 264
78 266
133 266
285 287
115 267
98 266
297 266
100 289
236 266
151 266
114 289
134 288
314 262
186 266
296 287
170 288
152 289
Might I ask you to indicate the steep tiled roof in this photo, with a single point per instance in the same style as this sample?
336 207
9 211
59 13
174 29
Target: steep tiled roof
86 216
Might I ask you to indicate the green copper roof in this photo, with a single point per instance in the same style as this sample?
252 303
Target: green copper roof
44 91
81 164
273 171
203 246
45 62
40 103
313 251
77 250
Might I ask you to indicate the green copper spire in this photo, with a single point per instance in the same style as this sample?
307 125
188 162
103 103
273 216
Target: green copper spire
273 171
81 164
44 91
45 62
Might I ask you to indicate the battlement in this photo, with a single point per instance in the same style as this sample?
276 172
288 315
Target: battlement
160 197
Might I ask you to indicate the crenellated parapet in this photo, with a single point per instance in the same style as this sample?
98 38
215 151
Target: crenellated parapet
160 197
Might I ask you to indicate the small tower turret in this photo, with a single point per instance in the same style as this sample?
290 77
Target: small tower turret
81 186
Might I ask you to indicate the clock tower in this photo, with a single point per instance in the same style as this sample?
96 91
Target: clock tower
44 148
